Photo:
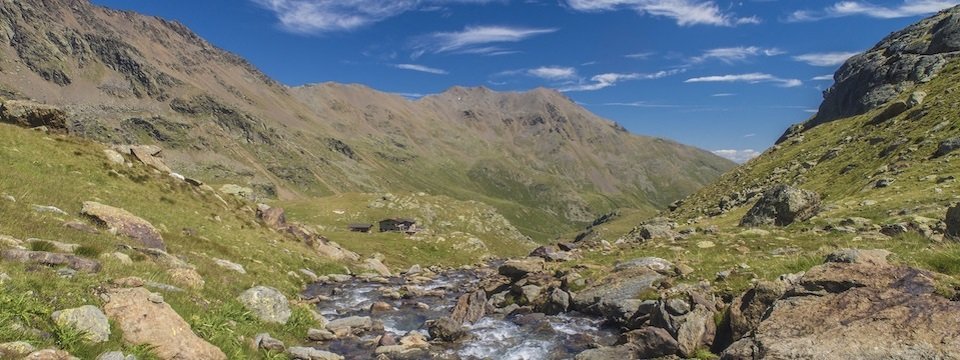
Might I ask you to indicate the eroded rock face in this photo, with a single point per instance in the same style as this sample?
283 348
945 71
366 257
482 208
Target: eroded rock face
142 320
32 114
782 205
470 307
125 223
268 304
748 310
860 309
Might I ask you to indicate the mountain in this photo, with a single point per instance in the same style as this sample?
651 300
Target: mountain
541 159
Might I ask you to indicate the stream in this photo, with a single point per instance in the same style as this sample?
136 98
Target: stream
527 336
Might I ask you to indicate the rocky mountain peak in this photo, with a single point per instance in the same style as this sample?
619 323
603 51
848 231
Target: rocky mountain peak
899 62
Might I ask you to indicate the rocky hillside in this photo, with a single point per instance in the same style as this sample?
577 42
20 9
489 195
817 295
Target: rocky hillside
543 161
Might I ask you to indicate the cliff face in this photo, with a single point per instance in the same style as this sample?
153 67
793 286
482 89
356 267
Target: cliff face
902 60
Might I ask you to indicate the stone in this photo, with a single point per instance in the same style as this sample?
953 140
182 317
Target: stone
656 232
445 329
51 259
144 322
617 296
470 307
147 157
782 205
31 114
81 227
267 304
130 282
186 277
953 223
529 294
916 98
518 268
320 335
125 223
376 266
558 302
748 310
120 257
115 355
859 256
308 353
352 323
229 265
88 319
114 157
650 342
414 339
946 147
551 253
49 209
50 354
15 350
380 306
650 263
622 352
266 342
273 217
387 339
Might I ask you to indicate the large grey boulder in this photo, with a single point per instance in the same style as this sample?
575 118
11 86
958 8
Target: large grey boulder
267 304
470 307
125 223
947 146
518 268
953 222
618 295
651 342
782 205
352 323
88 319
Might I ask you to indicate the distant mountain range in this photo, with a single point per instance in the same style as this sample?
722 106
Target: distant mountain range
546 163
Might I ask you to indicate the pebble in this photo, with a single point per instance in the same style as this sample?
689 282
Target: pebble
156 298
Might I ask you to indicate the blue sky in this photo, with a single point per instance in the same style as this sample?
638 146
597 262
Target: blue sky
727 76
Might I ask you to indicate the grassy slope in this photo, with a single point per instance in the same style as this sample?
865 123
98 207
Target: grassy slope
915 192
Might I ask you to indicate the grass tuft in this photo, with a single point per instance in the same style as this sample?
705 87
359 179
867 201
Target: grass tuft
88 251
41 245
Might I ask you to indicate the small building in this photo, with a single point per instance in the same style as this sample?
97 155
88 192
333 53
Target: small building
363 228
397 224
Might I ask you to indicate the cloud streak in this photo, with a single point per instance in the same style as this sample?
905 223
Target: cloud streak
325 16
603 81
751 78
906 8
553 73
684 12
739 156
421 68
827 59
476 40
731 55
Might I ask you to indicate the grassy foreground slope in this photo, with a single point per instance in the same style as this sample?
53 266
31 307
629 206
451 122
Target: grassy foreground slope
843 161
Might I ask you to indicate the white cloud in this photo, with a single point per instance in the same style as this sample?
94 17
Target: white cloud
751 78
603 81
553 72
323 16
823 78
825 59
684 12
421 68
640 55
739 156
750 135
734 54
641 104
905 8
723 95
476 40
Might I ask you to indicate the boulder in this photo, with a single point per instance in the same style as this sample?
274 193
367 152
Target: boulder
656 232
125 223
146 156
237 191
266 342
782 205
650 342
947 147
51 259
186 277
320 335
376 266
88 319
470 307
15 350
273 217
551 253
747 310
32 114
352 323
114 157
518 268
445 329
953 222
267 304
557 302
115 355
146 322
308 353
621 352
50 354
618 296
230 265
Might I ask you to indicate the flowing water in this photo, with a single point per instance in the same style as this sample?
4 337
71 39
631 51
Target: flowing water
496 336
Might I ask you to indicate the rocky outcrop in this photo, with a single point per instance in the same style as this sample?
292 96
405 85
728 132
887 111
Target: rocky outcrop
470 307
125 223
953 222
946 147
144 319
782 205
905 58
518 268
32 114
747 310
51 259
267 304
619 295
865 308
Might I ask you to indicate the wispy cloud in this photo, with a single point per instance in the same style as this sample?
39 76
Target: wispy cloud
640 55
553 72
603 81
723 95
823 78
476 40
825 59
684 12
324 16
905 8
735 54
421 68
641 104
739 156
751 78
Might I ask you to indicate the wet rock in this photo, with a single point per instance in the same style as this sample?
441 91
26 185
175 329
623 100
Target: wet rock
650 342
947 146
622 352
320 335
445 329
558 302
30 114
518 268
380 306
51 259
146 322
265 342
88 319
273 217
747 310
953 222
470 307
782 205
15 350
307 353
267 304
50 354
229 265
414 339
125 223
351 324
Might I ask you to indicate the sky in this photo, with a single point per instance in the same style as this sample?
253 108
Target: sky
726 76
